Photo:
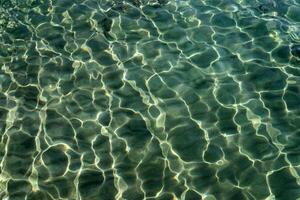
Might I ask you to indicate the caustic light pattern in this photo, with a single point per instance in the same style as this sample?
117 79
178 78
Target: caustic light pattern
155 100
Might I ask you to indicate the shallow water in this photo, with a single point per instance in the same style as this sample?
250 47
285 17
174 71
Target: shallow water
136 99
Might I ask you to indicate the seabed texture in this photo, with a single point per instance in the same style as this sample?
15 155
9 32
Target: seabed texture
149 100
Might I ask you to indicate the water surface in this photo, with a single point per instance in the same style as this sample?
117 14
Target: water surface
156 100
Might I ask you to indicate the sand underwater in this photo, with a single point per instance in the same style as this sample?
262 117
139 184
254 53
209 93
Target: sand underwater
149 99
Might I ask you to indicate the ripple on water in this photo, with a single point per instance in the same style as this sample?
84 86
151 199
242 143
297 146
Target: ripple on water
149 99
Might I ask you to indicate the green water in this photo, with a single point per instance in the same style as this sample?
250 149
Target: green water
155 100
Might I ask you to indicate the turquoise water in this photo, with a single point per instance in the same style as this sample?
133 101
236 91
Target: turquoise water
157 99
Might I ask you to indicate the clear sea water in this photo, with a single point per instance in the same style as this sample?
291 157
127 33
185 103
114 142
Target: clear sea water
149 99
